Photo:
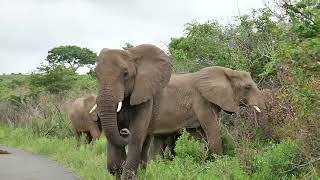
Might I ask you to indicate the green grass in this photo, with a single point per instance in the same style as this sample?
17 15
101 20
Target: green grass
87 161
273 161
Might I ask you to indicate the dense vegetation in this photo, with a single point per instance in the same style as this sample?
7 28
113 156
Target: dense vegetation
280 47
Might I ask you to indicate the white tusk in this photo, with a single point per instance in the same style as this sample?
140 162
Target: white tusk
257 108
119 106
93 108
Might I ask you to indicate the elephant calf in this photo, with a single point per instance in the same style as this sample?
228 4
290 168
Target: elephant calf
84 121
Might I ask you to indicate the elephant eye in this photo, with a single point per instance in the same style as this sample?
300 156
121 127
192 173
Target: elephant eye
247 87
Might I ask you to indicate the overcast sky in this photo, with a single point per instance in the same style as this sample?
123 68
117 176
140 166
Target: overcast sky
29 28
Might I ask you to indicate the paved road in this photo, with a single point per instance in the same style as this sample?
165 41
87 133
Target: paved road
21 165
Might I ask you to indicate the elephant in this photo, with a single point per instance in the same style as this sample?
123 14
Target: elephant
130 83
194 100
84 121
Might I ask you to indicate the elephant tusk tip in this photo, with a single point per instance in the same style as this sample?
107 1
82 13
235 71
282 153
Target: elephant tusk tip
93 108
119 106
257 108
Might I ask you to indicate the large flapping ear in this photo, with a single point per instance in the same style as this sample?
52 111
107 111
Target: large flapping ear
214 85
153 72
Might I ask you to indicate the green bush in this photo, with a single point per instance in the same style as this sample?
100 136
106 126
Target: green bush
279 161
190 148
54 79
223 168
56 124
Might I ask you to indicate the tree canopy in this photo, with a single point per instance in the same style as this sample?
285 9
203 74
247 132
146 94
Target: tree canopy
74 56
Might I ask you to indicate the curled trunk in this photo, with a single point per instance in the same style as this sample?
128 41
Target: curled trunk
108 117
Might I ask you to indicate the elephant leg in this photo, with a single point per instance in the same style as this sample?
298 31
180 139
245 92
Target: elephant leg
172 144
209 122
197 134
138 127
95 133
144 153
116 157
77 135
158 147
88 137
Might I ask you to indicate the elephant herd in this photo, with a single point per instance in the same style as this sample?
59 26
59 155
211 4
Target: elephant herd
140 101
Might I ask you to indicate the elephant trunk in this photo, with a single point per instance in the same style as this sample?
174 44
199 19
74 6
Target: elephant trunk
108 116
262 118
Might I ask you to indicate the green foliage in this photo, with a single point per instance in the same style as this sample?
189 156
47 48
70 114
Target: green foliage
86 161
127 45
278 162
85 83
72 55
248 45
54 79
190 148
56 124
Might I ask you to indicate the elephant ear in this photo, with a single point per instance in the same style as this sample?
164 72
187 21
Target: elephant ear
153 72
215 85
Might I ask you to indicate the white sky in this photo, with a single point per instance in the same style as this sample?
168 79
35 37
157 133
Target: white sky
29 28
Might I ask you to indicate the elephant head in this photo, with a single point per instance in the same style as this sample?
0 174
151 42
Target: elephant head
134 76
230 89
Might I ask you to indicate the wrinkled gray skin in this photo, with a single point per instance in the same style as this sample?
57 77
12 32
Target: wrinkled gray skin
82 121
194 100
135 77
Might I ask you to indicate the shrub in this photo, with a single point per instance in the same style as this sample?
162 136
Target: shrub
56 124
190 148
278 161
54 79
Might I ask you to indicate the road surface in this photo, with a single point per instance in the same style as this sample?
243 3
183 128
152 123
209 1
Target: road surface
21 165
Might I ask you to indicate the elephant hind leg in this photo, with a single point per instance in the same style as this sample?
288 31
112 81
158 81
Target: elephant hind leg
158 147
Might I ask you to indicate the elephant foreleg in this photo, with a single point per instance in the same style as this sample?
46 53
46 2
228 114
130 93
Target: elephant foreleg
209 122
138 127
95 133
88 137
144 152
116 157
77 135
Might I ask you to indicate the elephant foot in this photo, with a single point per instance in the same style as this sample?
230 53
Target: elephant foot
143 164
128 175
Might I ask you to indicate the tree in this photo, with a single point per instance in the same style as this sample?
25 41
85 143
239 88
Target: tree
54 79
127 45
73 56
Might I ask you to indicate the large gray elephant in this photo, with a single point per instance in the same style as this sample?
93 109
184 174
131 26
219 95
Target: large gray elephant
84 121
130 82
194 100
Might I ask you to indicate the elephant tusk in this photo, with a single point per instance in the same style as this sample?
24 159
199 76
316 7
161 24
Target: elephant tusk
119 106
93 108
257 108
